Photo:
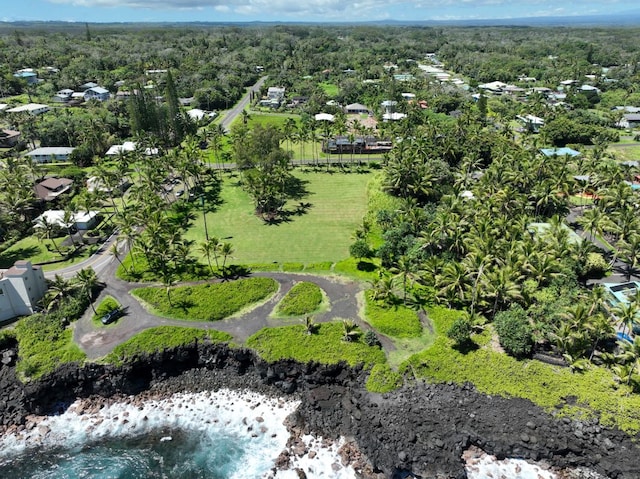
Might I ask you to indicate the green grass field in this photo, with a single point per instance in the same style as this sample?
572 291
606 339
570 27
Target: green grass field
331 89
34 250
323 233
625 153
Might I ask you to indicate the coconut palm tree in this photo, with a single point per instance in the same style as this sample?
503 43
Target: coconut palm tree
87 281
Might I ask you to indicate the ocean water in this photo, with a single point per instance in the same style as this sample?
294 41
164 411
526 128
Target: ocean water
213 435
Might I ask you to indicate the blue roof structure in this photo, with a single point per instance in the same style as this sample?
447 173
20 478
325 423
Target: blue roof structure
559 151
620 293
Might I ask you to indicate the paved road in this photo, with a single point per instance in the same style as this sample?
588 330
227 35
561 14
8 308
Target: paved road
97 340
232 114
100 260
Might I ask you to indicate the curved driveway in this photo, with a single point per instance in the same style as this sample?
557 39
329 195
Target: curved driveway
97 340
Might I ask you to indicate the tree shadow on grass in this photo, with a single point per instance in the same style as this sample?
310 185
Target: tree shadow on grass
184 304
466 347
8 258
296 189
366 266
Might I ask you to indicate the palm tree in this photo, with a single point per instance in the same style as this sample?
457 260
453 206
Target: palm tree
87 281
46 229
349 330
226 250
626 313
630 253
59 289
406 269
115 252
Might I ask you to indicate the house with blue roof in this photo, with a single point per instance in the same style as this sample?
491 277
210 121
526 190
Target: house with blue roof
564 151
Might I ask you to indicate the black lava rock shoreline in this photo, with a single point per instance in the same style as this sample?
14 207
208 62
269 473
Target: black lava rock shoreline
423 429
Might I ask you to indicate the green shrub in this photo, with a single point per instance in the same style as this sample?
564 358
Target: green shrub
326 346
303 298
396 321
383 379
207 302
321 266
595 266
292 267
514 331
162 337
44 344
265 266
371 339
460 331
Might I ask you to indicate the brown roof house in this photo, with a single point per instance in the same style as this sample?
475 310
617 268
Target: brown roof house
9 138
50 188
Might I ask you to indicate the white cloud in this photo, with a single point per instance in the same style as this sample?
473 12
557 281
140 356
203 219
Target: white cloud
357 10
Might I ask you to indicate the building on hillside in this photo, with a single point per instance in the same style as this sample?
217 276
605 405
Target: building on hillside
88 85
96 93
629 120
9 138
51 188
128 147
549 152
31 108
51 154
63 96
27 75
531 123
355 109
21 287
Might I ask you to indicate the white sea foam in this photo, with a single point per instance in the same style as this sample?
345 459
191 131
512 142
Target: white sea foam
256 419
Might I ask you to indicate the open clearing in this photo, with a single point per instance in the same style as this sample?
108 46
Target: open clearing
323 233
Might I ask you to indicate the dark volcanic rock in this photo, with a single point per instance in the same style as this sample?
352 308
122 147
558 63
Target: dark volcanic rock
422 429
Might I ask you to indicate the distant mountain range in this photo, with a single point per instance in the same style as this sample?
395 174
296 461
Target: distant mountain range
629 18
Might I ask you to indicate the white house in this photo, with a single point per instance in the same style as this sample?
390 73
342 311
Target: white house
50 154
31 108
531 122
127 147
96 93
21 287
83 220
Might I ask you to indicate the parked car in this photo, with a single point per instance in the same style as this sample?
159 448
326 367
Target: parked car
111 316
179 193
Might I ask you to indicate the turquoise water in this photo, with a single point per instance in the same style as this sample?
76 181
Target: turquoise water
187 456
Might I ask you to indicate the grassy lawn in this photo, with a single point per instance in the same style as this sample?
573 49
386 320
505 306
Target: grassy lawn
206 302
323 233
34 250
44 344
626 153
269 119
331 89
324 346
161 337
551 387
397 321
303 298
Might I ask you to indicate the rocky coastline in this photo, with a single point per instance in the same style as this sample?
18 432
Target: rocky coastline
423 429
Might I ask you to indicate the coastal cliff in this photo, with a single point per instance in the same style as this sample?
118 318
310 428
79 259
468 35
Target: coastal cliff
423 429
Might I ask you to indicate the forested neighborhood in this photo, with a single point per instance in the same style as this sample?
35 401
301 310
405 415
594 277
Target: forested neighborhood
473 191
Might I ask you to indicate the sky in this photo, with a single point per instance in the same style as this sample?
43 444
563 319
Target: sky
299 10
